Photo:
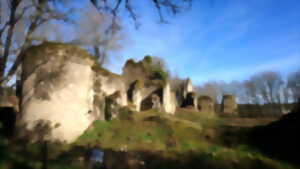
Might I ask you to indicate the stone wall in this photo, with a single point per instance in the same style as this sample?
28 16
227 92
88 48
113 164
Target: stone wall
169 100
112 83
134 94
191 100
64 90
57 91
229 104
206 105
10 101
188 87
137 99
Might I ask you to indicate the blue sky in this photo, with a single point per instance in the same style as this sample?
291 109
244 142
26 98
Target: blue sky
219 39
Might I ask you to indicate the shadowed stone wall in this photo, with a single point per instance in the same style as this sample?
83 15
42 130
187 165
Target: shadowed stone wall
188 87
191 100
57 88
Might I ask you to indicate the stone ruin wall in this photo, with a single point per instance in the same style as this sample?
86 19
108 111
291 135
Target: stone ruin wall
169 100
229 104
53 75
188 87
64 89
206 104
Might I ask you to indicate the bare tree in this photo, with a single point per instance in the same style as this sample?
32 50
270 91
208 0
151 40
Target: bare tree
262 91
212 89
114 7
294 85
268 84
251 91
94 32
273 82
286 94
235 88
29 15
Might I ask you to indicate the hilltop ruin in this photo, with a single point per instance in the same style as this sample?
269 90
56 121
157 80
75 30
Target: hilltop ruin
63 90
64 87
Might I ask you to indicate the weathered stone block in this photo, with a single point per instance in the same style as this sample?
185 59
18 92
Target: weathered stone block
206 104
229 104
57 88
191 100
169 100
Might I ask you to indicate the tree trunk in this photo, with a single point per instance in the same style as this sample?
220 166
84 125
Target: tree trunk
3 59
19 58
45 155
12 22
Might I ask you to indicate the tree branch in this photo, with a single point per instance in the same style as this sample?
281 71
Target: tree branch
23 12
157 6
131 13
3 29
38 20
12 22
115 9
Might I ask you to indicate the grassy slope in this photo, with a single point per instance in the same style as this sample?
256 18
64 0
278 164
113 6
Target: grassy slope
188 135
186 140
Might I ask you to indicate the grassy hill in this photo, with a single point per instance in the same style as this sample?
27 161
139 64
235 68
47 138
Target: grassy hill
186 140
151 140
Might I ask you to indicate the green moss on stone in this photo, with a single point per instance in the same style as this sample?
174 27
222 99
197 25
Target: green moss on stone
46 49
152 74
148 59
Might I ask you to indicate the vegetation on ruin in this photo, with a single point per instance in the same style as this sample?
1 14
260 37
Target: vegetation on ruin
47 48
151 68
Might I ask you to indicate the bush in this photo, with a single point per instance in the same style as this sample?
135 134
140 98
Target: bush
148 59
156 68
159 74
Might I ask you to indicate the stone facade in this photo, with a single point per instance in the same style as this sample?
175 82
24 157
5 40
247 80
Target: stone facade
155 102
169 100
229 104
111 84
137 99
57 91
206 105
191 100
135 95
64 90
188 87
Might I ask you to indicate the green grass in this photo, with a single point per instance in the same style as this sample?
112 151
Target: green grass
147 130
181 134
163 141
